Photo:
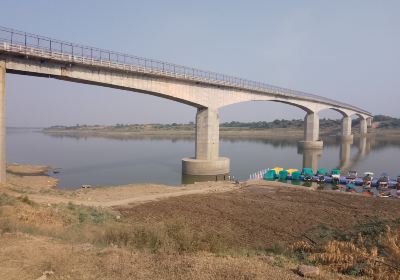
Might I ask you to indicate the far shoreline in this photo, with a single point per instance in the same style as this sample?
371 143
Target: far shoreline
291 134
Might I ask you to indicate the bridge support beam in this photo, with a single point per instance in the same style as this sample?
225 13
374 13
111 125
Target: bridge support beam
2 122
369 121
311 132
363 127
346 130
207 160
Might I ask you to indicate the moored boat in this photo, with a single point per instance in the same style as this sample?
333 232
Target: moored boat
383 180
335 174
296 175
321 179
367 179
308 174
351 175
283 174
270 175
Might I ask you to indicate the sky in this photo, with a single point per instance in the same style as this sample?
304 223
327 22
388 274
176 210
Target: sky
347 50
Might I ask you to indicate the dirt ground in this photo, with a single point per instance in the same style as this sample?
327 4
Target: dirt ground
33 181
201 231
27 257
269 216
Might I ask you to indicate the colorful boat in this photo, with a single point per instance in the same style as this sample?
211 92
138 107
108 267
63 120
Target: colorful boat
291 170
270 175
367 179
277 169
322 171
351 175
383 180
296 176
283 175
335 175
308 174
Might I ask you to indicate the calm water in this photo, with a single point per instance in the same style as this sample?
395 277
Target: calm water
101 161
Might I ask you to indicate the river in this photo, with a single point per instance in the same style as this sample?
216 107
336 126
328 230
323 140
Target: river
105 161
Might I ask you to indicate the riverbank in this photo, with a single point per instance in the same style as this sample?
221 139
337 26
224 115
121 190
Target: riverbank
211 230
188 132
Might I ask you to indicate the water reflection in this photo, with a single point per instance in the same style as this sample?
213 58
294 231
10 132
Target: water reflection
110 161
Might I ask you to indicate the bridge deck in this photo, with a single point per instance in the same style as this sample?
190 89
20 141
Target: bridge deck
31 45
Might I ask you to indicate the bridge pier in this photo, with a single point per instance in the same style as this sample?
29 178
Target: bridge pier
207 160
2 122
311 132
346 130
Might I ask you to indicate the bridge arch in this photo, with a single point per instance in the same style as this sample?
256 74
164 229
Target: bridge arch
207 91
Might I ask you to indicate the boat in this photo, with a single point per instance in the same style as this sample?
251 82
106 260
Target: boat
56 170
308 174
367 179
291 170
335 174
322 171
384 194
296 176
321 179
351 175
283 175
270 175
383 180
277 169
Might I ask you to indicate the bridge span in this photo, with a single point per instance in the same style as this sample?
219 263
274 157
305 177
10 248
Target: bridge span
30 54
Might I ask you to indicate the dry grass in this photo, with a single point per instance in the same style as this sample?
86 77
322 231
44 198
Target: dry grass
26 257
378 258
214 236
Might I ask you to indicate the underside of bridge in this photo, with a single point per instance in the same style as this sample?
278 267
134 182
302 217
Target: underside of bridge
204 90
206 160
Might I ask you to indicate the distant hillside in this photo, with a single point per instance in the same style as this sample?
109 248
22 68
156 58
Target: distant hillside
380 121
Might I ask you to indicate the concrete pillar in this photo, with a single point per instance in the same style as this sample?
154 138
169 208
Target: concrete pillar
346 129
311 127
311 132
369 121
363 127
2 122
206 160
207 134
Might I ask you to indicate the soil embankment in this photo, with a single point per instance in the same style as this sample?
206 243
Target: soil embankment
201 231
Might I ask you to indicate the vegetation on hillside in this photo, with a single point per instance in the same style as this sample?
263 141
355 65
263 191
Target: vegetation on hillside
380 121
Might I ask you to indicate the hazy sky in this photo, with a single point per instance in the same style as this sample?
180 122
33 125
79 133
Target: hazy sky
347 50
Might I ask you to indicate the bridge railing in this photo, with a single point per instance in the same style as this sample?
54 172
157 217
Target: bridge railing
30 44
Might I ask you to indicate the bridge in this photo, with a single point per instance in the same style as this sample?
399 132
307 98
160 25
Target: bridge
29 54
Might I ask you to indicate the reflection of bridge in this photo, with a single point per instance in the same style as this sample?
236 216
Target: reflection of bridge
311 157
28 54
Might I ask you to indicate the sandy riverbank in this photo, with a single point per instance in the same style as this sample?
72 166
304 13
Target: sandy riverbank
33 181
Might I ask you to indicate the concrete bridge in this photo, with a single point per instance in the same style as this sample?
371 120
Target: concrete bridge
34 55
